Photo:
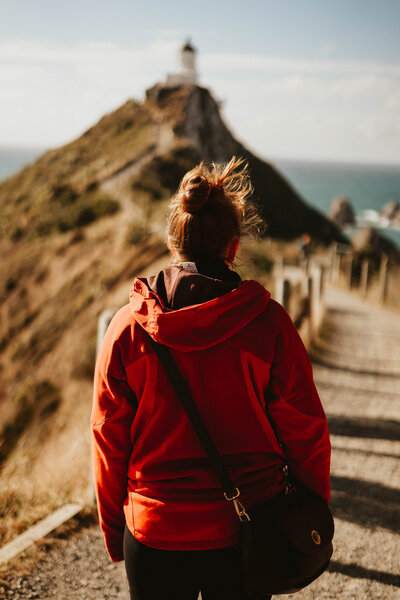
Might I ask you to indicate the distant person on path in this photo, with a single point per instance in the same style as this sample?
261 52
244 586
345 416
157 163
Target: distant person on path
305 245
160 504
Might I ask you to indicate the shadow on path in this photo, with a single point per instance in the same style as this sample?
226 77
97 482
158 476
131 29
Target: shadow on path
347 312
317 359
364 427
355 389
364 503
364 452
353 570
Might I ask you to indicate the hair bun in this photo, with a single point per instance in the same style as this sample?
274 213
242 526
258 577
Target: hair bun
196 192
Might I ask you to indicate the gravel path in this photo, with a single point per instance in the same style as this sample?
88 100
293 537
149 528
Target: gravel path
357 371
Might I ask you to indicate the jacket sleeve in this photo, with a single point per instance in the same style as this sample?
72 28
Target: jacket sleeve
114 407
295 408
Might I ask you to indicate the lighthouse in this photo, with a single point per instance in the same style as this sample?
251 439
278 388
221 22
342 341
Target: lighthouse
186 73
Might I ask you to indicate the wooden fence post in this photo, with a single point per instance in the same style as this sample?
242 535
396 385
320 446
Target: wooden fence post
350 270
336 268
315 296
306 283
383 278
282 291
102 326
279 265
364 277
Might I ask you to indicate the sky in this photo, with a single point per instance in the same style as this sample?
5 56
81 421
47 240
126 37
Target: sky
298 79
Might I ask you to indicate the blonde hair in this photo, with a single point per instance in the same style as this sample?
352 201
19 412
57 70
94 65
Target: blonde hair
211 209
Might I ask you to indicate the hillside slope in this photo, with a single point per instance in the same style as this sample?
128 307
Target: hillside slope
198 121
75 227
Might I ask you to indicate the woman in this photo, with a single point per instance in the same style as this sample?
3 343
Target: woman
160 504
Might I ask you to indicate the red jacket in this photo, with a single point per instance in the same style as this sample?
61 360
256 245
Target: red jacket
238 351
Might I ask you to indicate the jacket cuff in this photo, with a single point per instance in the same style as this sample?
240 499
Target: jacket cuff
115 550
117 558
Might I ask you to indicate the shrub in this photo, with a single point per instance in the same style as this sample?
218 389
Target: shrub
171 167
64 194
16 233
149 188
137 232
159 178
82 211
41 342
40 398
260 259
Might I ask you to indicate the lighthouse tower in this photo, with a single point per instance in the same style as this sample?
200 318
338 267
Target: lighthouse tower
186 74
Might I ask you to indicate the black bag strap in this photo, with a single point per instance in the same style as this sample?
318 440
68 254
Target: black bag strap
186 399
231 492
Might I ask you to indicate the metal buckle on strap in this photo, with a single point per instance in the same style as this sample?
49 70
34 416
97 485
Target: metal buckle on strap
236 495
241 511
239 508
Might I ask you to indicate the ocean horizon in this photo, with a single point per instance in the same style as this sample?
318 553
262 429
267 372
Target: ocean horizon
368 186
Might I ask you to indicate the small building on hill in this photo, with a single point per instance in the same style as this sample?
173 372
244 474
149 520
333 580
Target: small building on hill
186 73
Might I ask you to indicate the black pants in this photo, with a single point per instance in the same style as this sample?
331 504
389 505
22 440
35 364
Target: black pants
180 575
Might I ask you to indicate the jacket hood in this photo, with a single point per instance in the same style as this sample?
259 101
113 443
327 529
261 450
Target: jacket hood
216 311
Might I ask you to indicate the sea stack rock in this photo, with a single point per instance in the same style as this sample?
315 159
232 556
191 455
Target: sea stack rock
368 239
342 212
391 210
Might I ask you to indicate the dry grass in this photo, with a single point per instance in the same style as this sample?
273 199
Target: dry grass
58 191
19 511
47 457
35 401
24 563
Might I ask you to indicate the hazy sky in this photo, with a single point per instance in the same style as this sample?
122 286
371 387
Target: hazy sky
299 78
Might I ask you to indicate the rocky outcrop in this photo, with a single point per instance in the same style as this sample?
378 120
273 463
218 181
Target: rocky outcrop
199 123
204 128
368 240
391 210
341 212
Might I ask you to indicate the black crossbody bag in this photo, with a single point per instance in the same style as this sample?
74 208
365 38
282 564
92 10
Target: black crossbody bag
286 542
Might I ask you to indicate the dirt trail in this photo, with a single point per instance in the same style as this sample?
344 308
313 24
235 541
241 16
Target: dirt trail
357 371
118 184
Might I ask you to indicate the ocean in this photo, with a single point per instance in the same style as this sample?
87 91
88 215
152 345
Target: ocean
368 187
